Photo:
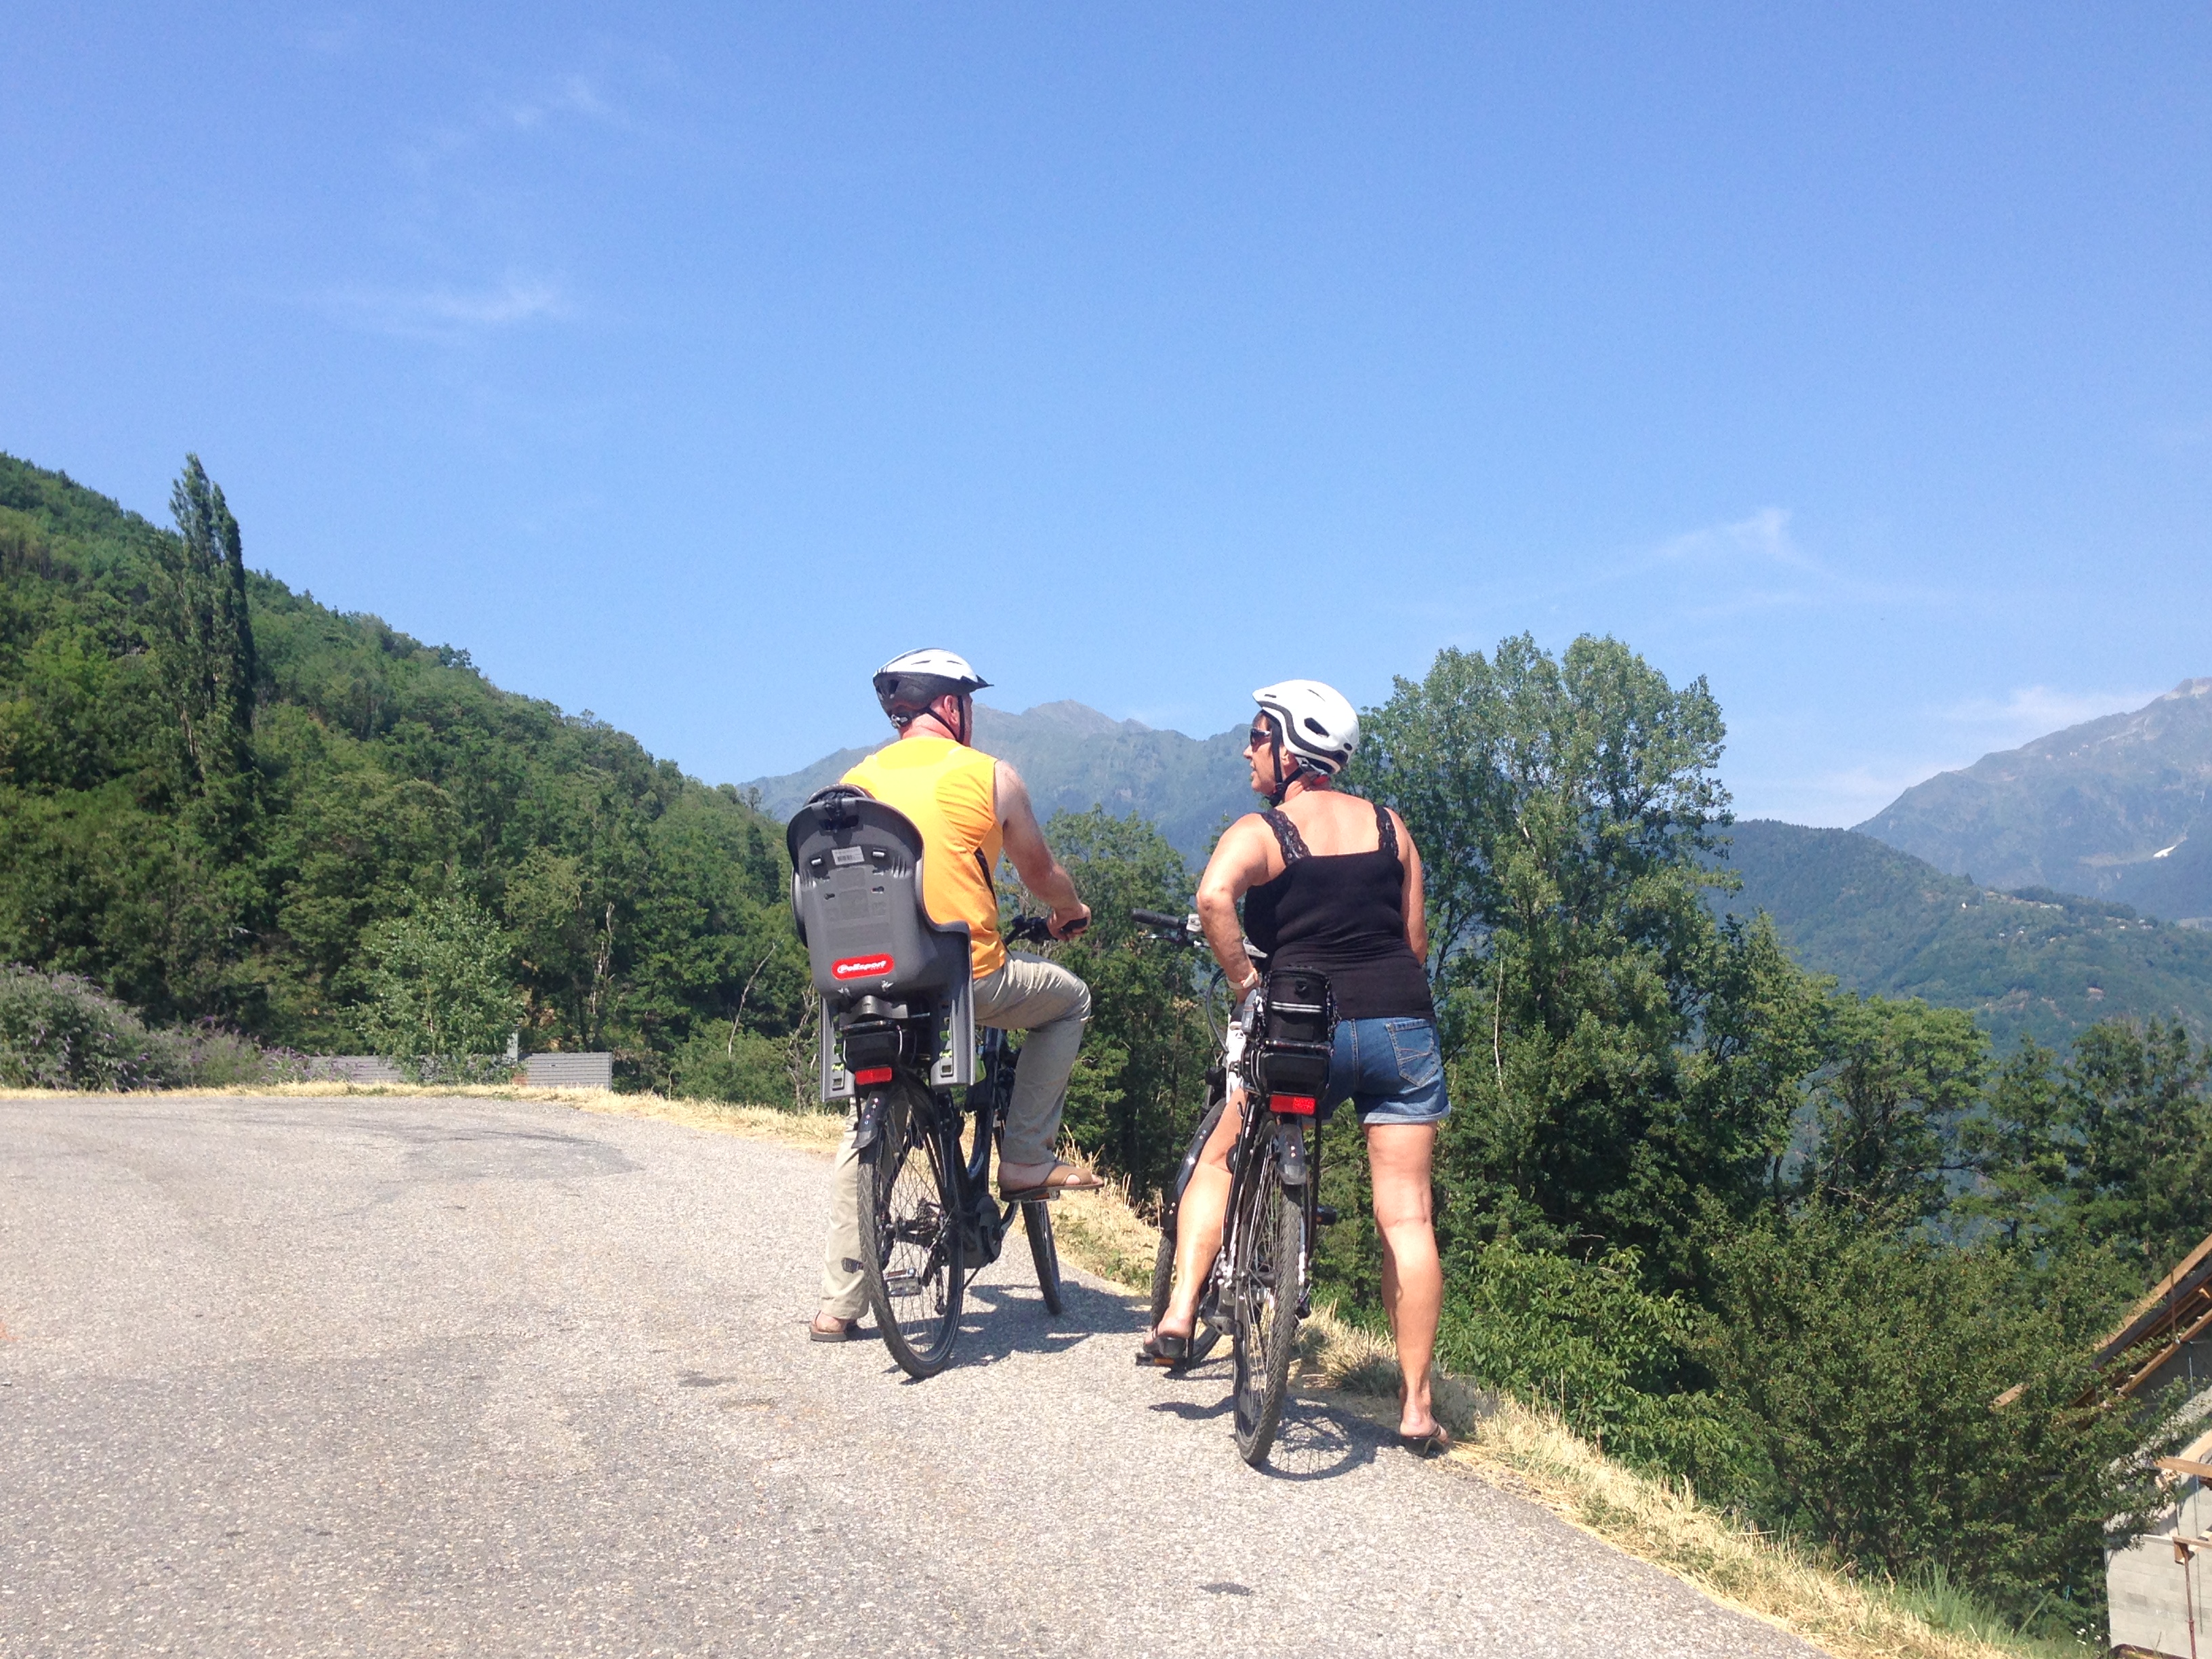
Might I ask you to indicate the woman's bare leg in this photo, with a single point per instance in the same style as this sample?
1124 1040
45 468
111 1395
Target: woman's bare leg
1199 1221
1398 1157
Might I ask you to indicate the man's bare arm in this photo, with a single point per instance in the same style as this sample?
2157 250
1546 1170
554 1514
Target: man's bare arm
1034 863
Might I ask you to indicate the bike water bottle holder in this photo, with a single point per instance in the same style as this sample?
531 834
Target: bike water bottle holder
1290 1064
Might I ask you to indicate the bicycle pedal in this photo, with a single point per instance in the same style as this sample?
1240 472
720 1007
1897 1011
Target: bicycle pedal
1325 1214
902 1283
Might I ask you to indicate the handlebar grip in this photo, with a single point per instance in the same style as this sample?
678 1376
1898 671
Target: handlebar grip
1154 919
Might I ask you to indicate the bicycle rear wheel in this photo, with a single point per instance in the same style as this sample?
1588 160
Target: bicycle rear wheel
910 1240
1265 1281
1036 1222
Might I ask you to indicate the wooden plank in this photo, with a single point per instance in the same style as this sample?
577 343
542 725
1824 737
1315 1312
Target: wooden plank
2154 1311
2186 1466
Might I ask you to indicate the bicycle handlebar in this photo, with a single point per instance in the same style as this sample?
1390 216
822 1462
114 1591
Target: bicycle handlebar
1157 919
1036 930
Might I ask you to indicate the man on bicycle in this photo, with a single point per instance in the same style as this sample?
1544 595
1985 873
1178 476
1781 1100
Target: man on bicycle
968 808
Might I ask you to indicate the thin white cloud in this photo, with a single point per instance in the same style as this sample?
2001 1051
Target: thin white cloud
446 313
2029 712
1763 538
569 94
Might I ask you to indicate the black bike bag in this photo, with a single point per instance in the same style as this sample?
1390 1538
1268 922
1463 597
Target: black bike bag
1297 1041
856 897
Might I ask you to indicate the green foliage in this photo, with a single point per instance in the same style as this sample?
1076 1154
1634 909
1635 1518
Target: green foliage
1588 1339
744 1069
1898 1076
377 773
58 1031
1615 1053
2111 1152
439 984
1916 1403
1140 1082
1791 1242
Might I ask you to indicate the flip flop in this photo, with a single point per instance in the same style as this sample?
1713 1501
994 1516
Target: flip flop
1164 1349
1074 1180
846 1331
1435 1443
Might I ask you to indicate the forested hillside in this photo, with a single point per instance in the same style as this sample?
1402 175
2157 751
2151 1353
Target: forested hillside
2033 963
220 799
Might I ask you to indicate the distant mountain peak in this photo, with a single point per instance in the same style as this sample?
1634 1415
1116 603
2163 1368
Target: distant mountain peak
2117 807
1080 717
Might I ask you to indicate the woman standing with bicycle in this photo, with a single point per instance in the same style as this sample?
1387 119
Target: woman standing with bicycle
1331 883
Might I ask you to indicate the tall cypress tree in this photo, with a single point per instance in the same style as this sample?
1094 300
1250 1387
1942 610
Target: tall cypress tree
206 644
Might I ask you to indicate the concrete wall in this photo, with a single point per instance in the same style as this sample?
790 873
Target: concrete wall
2145 1582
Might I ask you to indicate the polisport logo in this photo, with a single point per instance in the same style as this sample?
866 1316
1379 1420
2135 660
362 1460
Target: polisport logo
860 968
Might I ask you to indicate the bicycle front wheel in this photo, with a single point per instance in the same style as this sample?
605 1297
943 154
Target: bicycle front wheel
1203 1336
910 1239
1267 1278
1036 1222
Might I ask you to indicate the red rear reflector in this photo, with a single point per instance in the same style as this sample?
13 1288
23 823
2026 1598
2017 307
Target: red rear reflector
876 967
1292 1105
883 1074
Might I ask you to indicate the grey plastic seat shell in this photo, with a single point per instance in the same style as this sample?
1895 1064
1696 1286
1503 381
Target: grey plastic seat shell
856 895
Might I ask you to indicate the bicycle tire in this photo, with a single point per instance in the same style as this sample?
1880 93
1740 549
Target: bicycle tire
911 1251
1265 1286
1036 1222
1203 1336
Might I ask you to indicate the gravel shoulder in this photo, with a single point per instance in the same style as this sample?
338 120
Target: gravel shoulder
418 1375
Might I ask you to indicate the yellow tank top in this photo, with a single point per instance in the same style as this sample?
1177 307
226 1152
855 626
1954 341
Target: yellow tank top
951 792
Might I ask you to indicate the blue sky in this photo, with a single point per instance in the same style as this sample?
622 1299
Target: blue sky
684 364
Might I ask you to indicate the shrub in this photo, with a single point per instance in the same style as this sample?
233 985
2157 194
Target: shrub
1918 1404
747 1069
1586 1339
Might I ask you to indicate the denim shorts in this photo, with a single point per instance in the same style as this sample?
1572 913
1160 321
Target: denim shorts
1391 1070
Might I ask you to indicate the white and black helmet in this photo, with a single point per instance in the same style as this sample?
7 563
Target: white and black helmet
910 682
1316 723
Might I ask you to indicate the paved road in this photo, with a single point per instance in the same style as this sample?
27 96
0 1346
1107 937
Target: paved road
414 1377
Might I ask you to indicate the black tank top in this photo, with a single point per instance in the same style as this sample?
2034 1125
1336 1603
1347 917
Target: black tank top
1345 914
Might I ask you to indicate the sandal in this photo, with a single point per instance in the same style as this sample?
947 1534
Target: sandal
846 1330
1435 1443
1163 1349
1059 1177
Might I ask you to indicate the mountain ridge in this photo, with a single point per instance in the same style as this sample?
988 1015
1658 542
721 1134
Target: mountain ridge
1073 758
2119 807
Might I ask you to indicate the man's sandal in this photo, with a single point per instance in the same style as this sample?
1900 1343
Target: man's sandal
844 1331
1061 1177
1163 1349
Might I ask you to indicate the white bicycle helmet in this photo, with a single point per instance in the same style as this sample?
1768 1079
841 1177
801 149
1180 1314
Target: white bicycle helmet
909 682
1316 723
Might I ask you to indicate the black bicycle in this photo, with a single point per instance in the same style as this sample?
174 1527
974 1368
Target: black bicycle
1275 1049
929 1221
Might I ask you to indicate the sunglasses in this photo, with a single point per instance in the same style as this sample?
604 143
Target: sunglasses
1258 738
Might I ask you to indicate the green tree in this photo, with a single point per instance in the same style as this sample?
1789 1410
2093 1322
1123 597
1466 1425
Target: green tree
1913 1402
1615 1053
1140 1081
439 986
1900 1077
207 637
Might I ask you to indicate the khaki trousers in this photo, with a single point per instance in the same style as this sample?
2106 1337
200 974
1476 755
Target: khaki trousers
1027 994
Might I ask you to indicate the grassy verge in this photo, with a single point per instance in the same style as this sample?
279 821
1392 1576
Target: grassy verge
1526 1451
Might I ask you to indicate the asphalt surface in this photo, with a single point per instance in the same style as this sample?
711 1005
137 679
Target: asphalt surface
420 1376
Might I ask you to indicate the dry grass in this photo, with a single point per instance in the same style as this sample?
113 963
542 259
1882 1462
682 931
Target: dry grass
1530 1453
